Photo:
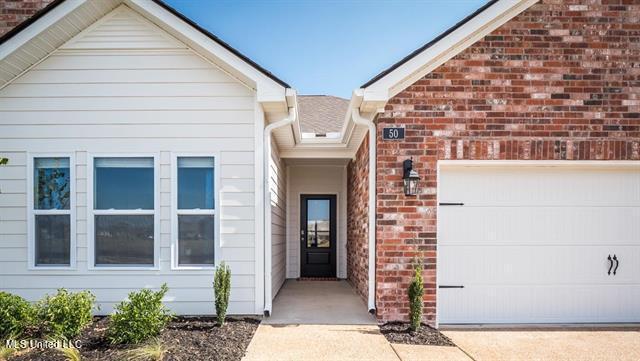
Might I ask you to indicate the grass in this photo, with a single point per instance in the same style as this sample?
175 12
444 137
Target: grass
70 353
154 350
6 352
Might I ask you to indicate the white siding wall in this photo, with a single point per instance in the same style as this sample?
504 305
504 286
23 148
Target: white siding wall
125 86
278 191
315 179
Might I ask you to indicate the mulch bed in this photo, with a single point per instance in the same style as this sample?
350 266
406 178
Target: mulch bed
188 338
398 332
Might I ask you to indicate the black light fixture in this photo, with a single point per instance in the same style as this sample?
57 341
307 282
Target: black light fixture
410 177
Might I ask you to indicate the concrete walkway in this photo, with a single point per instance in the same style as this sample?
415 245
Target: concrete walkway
319 342
327 320
583 344
319 320
319 303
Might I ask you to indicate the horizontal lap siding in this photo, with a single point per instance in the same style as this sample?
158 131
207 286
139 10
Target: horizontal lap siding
278 189
142 99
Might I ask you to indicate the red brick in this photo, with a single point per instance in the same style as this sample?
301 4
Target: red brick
530 90
14 12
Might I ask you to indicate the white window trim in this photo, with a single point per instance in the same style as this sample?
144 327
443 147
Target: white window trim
215 212
32 212
91 266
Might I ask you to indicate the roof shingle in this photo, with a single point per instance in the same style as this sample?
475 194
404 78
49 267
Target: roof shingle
321 114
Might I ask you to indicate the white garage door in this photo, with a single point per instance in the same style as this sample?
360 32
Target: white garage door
531 244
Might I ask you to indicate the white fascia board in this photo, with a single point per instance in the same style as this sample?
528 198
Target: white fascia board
316 153
445 49
42 24
268 91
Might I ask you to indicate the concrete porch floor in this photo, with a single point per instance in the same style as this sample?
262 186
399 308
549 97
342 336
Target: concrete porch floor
319 303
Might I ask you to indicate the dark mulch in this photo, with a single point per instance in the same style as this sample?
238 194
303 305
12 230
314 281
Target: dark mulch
188 338
398 332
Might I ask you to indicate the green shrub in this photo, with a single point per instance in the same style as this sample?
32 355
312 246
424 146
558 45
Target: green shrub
16 315
222 290
66 314
140 317
416 291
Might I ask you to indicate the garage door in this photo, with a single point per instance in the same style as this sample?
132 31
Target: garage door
539 244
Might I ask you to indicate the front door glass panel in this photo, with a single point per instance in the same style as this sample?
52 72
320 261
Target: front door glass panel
318 223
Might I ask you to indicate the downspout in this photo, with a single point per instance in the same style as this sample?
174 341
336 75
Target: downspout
267 205
359 119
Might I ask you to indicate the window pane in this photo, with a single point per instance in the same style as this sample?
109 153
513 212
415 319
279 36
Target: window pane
52 178
318 223
52 238
195 183
124 240
195 239
124 183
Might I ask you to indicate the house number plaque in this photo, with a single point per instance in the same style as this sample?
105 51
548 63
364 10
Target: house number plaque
392 133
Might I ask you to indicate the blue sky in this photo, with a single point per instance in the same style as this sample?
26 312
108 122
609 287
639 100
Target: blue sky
326 47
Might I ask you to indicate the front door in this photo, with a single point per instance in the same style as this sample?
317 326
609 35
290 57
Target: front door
318 236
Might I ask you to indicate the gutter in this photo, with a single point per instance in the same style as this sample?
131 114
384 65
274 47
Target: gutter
360 120
267 204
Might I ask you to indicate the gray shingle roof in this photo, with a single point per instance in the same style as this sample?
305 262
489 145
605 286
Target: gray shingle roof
321 114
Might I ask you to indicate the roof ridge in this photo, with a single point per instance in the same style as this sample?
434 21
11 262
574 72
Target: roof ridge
424 47
42 12
321 95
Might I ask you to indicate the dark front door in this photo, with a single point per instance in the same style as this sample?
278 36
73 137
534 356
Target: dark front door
318 236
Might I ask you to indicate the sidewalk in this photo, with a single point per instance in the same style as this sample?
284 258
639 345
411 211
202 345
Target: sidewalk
326 320
319 342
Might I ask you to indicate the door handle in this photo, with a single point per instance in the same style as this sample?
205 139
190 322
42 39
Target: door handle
617 264
610 265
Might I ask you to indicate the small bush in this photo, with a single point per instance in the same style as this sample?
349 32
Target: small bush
66 313
140 317
16 315
416 291
222 290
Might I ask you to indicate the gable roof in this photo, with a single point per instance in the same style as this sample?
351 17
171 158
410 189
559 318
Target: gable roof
376 92
222 43
429 44
56 4
30 20
321 114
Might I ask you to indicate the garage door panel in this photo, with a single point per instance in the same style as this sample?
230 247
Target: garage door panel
550 186
530 243
539 304
539 225
534 265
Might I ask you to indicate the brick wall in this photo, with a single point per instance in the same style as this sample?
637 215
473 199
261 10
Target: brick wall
357 220
559 81
13 12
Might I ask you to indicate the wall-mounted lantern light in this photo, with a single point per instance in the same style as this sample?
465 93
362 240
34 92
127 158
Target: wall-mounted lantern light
410 177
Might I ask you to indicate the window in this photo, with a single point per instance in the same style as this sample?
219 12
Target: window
124 211
51 212
195 211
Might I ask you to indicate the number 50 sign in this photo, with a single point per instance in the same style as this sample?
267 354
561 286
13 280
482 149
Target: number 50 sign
392 133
